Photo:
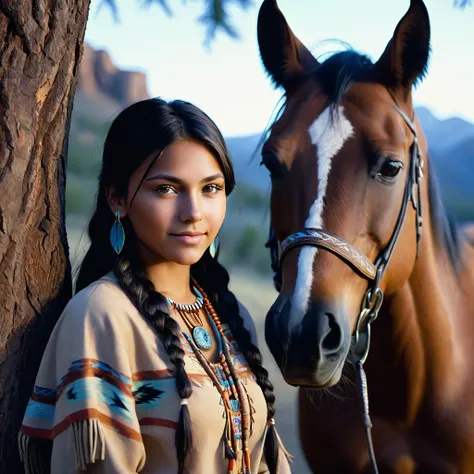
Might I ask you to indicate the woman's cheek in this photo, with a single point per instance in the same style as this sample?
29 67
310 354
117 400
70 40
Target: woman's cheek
219 216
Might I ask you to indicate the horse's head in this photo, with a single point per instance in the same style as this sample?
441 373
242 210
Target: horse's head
339 158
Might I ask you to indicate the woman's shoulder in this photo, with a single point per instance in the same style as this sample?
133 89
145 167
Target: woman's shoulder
95 327
102 302
102 294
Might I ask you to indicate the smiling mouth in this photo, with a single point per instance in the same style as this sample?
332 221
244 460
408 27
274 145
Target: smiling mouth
191 238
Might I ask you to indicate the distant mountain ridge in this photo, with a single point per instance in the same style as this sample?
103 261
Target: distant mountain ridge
104 90
444 134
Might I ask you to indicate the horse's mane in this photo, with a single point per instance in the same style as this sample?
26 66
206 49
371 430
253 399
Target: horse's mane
444 226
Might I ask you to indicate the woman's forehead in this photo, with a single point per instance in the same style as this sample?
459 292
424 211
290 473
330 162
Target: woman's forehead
186 158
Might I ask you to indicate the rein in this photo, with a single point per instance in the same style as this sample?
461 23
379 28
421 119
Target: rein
373 272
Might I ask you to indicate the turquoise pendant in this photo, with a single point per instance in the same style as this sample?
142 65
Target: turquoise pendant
202 338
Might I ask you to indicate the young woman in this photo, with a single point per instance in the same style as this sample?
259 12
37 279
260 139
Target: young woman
152 367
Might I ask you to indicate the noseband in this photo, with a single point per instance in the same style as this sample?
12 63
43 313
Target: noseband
373 272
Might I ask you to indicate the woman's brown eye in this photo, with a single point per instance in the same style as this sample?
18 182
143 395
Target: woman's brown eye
212 188
165 189
390 169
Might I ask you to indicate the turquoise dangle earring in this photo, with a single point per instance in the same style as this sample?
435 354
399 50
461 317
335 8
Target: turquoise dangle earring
214 247
117 234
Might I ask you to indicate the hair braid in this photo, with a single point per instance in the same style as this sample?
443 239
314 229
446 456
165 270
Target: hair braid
152 305
214 279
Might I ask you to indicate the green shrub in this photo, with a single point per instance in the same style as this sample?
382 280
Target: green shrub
84 160
247 197
80 195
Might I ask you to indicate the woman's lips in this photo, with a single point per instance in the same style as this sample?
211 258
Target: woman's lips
190 239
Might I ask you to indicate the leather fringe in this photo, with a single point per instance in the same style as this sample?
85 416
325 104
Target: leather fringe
34 459
30 455
87 440
283 449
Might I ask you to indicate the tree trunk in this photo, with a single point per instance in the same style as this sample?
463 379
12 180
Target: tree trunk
40 49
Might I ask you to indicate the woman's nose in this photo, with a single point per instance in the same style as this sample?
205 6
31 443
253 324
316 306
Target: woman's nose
190 210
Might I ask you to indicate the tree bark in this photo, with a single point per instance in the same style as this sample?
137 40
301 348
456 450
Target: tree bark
41 45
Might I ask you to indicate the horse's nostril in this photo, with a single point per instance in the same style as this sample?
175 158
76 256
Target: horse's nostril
333 339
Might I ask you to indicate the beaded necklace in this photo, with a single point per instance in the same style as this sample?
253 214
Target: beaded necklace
238 406
190 315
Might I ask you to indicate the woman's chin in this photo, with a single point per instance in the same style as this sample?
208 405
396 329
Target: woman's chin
187 257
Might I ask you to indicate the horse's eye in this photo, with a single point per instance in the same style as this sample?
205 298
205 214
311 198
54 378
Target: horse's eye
272 163
390 169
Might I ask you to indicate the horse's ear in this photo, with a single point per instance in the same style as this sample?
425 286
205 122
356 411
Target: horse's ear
284 56
405 59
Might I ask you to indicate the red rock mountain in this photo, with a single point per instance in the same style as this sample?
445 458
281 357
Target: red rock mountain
98 76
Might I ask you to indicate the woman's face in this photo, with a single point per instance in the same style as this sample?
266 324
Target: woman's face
180 206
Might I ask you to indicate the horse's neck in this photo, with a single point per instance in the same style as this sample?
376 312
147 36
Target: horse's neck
418 352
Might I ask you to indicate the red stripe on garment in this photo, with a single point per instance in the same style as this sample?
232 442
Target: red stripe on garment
46 399
93 372
158 422
82 415
153 375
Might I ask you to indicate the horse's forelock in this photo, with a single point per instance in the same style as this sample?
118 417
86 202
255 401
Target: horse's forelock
339 71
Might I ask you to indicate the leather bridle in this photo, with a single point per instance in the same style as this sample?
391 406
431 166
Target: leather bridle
373 272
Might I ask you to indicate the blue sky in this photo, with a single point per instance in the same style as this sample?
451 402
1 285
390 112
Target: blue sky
228 81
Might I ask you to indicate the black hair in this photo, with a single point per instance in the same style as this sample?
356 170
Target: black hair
145 128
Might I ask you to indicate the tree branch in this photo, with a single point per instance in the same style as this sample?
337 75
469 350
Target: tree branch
215 14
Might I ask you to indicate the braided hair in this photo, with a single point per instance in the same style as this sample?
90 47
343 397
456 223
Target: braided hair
215 282
144 128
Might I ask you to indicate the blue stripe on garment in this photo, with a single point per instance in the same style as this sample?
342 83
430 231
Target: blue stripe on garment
102 392
40 410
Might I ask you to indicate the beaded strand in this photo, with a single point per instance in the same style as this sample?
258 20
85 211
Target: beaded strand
231 449
243 399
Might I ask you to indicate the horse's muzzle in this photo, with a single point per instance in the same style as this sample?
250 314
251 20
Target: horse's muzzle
310 352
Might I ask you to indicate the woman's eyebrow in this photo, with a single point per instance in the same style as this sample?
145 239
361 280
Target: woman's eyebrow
174 179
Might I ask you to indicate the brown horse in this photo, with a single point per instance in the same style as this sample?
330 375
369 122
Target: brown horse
350 176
